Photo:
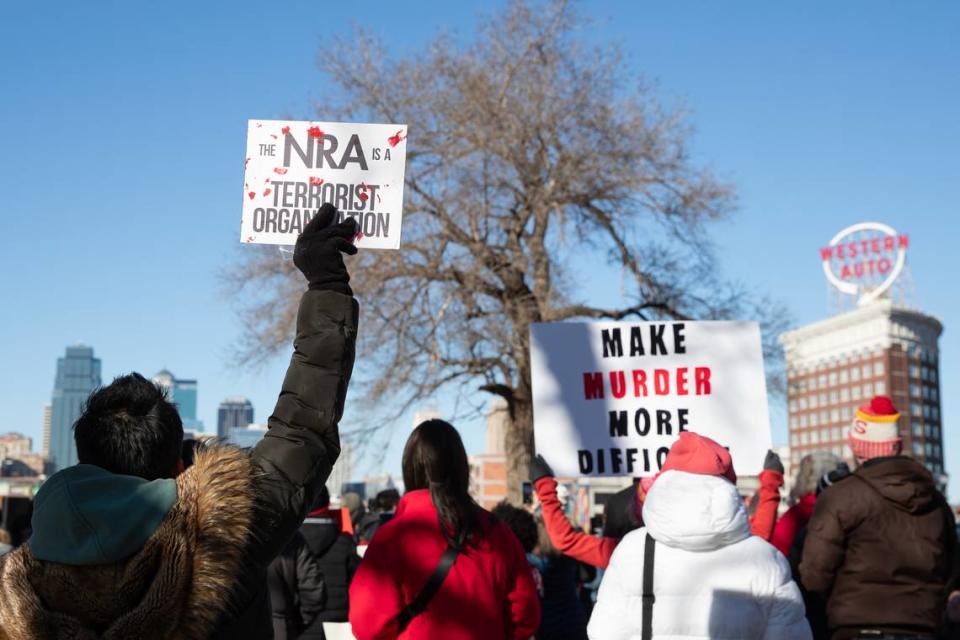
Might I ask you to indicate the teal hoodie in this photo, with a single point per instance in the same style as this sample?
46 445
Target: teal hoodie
85 515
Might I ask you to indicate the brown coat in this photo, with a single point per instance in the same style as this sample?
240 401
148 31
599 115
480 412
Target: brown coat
881 546
176 587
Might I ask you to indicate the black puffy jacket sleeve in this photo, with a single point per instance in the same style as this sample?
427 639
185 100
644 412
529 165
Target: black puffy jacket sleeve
296 455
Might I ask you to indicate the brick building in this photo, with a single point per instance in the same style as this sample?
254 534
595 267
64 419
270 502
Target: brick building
836 364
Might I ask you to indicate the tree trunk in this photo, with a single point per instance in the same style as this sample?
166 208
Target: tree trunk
518 442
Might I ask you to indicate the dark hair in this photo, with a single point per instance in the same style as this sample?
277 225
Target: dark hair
434 459
388 499
131 428
520 521
322 499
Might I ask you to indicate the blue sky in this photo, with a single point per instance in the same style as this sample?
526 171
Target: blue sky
124 135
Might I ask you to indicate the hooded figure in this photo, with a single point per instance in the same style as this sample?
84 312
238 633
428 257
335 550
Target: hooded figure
711 577
881 544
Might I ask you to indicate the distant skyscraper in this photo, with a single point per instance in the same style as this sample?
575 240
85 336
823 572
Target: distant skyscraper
183 393
234 412
78 373
246 437
45 441
342 471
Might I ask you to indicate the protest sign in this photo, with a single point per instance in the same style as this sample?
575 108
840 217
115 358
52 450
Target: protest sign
609 398
292 167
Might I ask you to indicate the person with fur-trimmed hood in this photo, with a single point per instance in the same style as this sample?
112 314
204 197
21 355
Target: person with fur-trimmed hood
126 546
694 570
881 545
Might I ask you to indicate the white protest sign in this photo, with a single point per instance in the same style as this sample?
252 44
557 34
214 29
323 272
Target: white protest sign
292 167
609 398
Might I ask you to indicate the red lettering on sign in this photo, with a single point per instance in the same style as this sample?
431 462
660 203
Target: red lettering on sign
593 386
701 376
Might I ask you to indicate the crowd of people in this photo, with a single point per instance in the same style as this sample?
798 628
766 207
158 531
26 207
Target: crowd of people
141 540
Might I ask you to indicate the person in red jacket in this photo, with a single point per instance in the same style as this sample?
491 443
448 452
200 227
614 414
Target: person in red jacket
488 593
803 496
625 517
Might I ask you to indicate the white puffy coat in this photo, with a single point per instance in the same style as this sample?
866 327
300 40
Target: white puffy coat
712 579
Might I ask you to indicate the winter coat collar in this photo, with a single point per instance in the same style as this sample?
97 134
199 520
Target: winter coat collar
176 586
695 512
85 515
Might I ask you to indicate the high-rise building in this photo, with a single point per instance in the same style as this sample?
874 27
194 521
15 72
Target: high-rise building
836 364
45 431
78 373
235 412
183 393
488 470
881 347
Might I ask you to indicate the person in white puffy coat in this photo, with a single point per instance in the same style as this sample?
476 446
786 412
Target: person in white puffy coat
711 578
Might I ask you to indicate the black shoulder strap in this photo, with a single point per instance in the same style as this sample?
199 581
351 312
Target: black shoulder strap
419 604
649 546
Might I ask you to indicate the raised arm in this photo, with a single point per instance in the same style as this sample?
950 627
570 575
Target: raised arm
580 546
297 454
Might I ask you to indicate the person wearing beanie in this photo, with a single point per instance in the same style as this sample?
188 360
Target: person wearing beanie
881 544
694 570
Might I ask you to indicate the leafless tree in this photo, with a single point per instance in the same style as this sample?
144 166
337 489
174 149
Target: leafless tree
536 168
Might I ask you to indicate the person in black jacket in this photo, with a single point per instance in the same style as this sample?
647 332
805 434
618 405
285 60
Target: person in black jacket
297 590
124 545
335 553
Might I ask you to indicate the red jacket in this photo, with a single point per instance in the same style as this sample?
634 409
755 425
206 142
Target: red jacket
795 519
768 501
488 595
579 546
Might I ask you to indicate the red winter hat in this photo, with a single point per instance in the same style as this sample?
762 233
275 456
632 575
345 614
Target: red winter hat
873 433
694 453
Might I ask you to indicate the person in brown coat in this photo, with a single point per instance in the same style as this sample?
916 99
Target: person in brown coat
881 544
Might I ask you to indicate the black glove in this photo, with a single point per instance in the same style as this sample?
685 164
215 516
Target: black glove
319 250
772 462
539 468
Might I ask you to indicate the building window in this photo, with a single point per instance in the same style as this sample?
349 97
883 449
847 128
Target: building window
794 439
834 415
843 376
878 368
844 395
933 394
845 412
837 435
914 371
814 437
833 378
917 449
936 433
925 392
833 397
933 375
824 417
813 402
880 387
794 422
847 451
804 437
916 410
802 403
813 383
866 371
855 392
926 411
824 435
929 450
867 390
915 390
803 420
936 414
855 374
822 381
823 399
813 420
917 429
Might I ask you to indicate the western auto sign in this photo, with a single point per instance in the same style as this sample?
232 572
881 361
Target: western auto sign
865 259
